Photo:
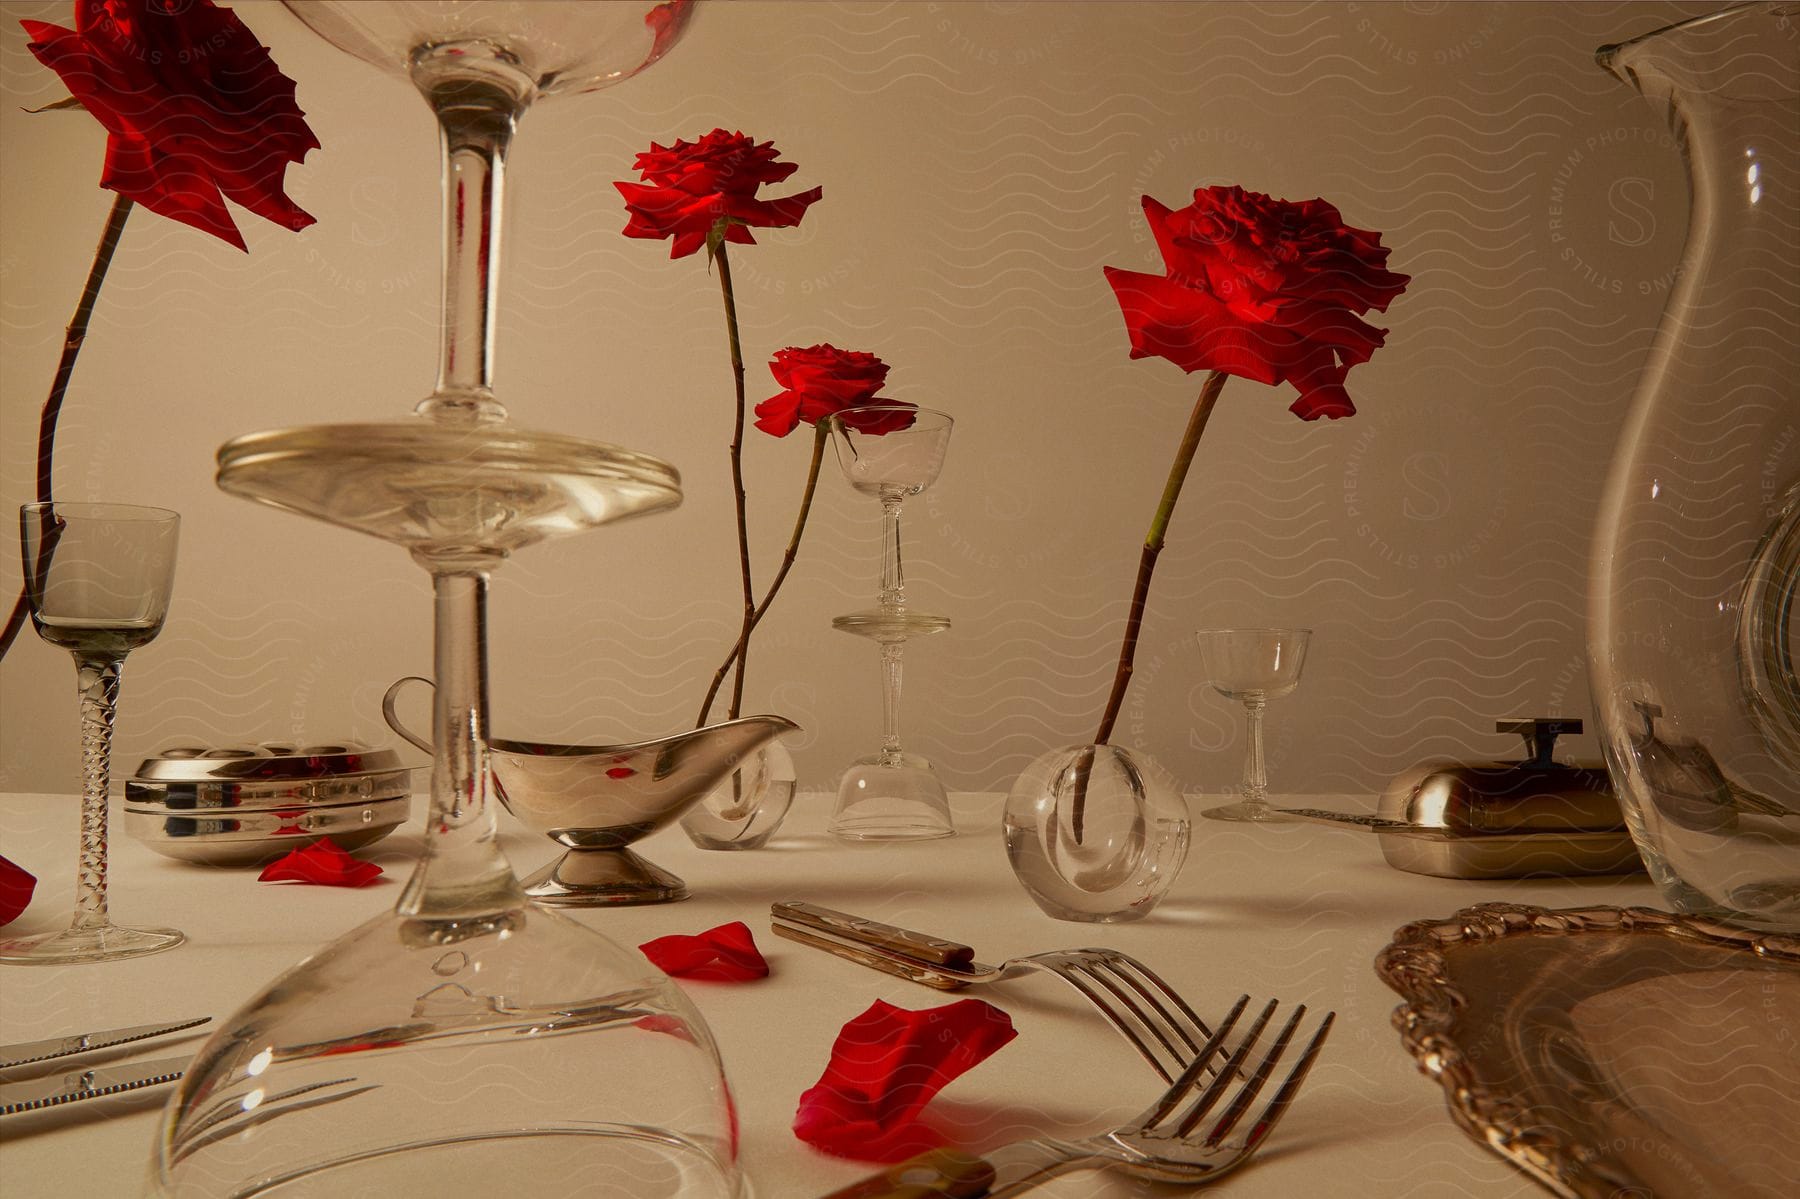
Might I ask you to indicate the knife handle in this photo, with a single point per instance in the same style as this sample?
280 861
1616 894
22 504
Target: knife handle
903 941
939 1174
913 972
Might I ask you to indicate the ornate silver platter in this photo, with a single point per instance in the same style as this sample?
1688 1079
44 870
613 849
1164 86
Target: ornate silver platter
1616 1052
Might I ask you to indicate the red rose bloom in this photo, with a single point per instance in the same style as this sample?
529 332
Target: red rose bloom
195 110
1267 289
690 187
818 381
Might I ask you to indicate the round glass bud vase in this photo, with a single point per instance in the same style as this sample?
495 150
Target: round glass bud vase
744 811
1095 833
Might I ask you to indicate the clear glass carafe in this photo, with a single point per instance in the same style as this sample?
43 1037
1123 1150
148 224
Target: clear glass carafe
1697 552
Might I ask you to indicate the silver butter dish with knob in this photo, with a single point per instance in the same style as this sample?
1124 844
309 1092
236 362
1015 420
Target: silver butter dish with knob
246 805
1532 817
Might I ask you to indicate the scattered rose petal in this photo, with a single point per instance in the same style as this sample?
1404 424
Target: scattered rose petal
16 886
727 953
322 863
885 1067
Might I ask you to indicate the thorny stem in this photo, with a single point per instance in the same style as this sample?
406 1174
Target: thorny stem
59 386
741 651
820 436
1153 543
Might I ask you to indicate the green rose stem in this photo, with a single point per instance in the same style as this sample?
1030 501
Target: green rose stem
820 436
59 387
1153 543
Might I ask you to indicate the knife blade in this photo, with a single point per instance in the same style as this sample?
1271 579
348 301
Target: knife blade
76 1085
26 1052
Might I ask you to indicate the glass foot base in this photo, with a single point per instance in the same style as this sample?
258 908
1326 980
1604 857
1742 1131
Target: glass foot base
1247 813
880 799
103 944
598 878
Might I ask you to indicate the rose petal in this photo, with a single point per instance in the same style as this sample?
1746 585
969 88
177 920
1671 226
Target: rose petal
885 1066
689 188
322 864
727 953
16 886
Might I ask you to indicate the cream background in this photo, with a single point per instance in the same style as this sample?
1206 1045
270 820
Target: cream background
981 162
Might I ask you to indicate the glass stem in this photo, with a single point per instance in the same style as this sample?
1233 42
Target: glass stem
893 578
98 680
476 119
892 653
462 874
1256 779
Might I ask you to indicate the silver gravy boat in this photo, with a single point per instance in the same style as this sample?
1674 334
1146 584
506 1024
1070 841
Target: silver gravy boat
595 800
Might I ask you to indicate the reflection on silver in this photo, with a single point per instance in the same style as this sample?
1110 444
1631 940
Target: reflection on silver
1609 1051
595 800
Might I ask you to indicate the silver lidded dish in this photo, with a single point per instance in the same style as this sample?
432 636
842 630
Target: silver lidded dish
1537 816
246 805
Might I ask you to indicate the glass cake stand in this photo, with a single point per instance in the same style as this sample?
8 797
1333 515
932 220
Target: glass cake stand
469 1038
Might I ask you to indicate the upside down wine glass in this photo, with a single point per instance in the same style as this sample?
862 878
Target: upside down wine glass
1253 666
468 1040
98 578
891 452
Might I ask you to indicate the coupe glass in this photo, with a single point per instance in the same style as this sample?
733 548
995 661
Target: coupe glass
98 577
1253 666
891 452
469 1040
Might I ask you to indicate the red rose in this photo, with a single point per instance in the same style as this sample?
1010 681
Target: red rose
818 381
690 187
195 110
1266 289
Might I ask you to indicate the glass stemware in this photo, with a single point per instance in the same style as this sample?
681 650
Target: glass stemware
469 1034
1253 666
98 578
891 452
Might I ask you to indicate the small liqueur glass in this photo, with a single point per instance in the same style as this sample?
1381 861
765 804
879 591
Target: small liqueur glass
1252 666
891 452
98 578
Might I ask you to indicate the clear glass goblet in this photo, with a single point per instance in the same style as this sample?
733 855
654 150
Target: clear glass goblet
891 452
1252 666
98 578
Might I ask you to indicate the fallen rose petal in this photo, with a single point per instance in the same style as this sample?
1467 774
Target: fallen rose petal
322 864
885 1066
16 886
727 953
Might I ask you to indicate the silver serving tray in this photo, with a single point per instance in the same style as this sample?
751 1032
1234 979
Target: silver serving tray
1610 1051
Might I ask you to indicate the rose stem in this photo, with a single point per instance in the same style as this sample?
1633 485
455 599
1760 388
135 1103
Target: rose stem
1153 543
737 475
59 386
820 436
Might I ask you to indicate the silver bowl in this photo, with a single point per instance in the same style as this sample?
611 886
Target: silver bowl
246 805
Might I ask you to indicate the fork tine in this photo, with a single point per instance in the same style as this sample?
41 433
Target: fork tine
1129 1021
1197 1111
1083 966
1290 1086
1246 1095
1184 1019
1190 1077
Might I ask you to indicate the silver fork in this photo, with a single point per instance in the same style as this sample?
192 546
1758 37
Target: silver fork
1147 1011
1175 1139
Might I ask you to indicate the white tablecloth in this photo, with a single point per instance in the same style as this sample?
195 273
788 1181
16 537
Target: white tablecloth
1294 911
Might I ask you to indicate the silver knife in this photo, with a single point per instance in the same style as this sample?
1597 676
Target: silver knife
42 1051
76 1085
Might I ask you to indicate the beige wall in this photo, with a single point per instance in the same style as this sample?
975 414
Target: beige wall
981 162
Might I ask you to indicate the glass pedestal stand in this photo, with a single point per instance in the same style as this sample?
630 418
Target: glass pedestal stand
891 795
469 1041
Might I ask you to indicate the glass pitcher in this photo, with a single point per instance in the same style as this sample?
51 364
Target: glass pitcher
1697 551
